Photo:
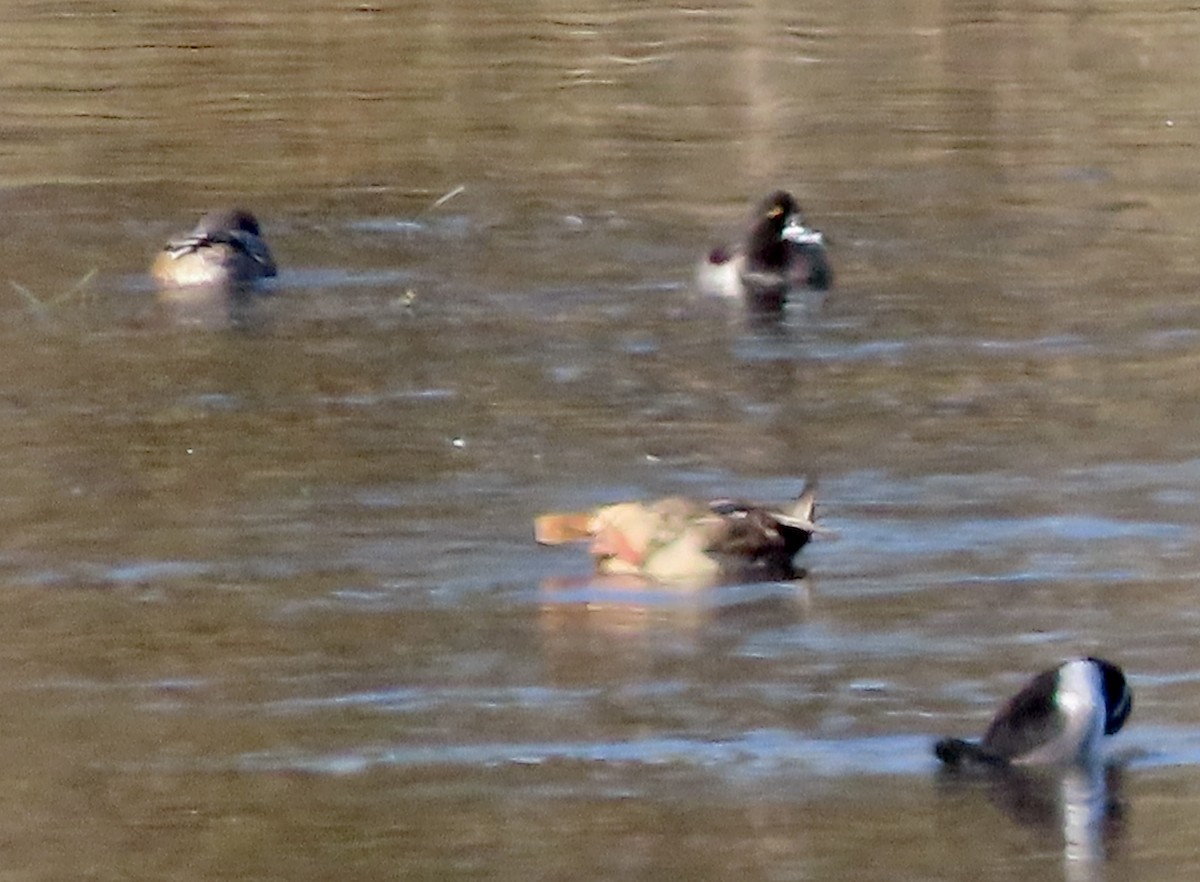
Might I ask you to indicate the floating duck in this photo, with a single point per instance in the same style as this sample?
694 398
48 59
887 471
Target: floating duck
1060 716
779 253
224 249
687 540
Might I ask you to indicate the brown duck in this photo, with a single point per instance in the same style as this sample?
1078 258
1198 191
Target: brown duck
678 539
226 248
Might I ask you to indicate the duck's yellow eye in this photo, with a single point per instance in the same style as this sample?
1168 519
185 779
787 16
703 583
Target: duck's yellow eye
775 211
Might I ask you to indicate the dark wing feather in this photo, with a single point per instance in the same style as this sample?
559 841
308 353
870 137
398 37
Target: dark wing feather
241 242
1028 720
185 245
757 533
746 531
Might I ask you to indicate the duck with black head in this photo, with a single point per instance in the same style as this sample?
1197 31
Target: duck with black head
1059 717
778 253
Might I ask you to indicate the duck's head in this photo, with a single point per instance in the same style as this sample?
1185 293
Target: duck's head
229 220
1118 697
776 222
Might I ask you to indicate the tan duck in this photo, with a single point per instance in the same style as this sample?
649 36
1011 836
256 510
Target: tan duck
677 539
224 249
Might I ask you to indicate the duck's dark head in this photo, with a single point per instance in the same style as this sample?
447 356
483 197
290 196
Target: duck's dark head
1118 697
776 223
776 211
229 220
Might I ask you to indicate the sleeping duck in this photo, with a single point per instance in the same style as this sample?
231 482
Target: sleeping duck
687 540
225 249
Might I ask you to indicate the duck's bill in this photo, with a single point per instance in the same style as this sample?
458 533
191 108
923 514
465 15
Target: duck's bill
557 528
801 235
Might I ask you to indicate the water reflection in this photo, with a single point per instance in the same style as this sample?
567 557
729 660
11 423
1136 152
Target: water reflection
616 628
631 605
240 308
620 599
1081 805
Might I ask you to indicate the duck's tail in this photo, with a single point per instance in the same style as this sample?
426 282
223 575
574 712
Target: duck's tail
957 753
803 513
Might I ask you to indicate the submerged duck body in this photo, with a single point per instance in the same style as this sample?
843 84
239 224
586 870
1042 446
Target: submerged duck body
224 249
687 540
1059 717
779 253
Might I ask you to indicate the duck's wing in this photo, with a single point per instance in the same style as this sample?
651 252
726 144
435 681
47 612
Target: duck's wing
1027 721
749 533
239 241
755 531
181 246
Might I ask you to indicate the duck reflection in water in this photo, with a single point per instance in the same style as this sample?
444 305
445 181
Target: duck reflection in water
239 309
618 628
629 605
1081 804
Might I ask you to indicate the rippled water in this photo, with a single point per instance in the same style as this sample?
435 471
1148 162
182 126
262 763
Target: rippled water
273 608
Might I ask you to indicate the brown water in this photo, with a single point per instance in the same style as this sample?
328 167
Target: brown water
271 606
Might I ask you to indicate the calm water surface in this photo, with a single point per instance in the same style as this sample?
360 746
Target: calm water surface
271 603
